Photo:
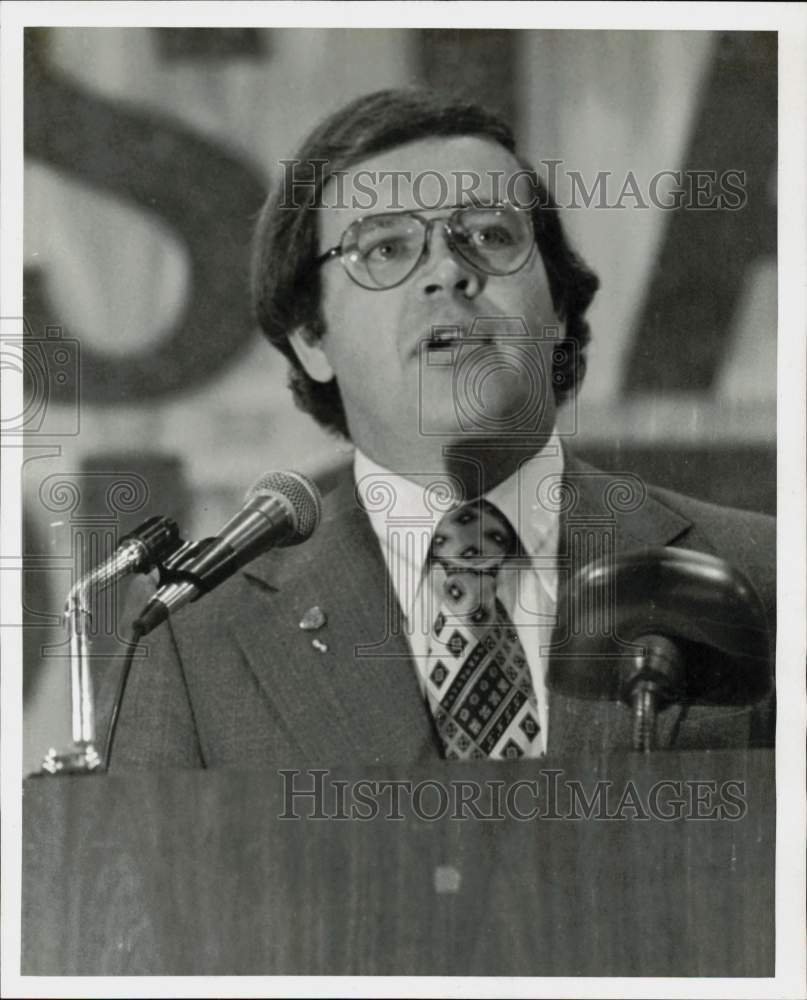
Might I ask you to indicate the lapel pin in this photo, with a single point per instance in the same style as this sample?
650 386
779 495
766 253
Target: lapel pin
313 619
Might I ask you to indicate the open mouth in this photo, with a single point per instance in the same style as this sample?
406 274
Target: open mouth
443 337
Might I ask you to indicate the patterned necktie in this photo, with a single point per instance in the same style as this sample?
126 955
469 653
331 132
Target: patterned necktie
479 687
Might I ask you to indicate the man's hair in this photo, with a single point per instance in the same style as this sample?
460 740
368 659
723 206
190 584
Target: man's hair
286 282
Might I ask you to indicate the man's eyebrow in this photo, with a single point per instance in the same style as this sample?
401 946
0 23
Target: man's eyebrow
472 203
475 203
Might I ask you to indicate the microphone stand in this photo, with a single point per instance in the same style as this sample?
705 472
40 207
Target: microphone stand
649 683
138 552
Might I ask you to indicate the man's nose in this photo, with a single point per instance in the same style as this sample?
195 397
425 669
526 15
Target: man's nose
444 270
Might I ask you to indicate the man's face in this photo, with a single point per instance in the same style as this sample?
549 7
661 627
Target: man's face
407 393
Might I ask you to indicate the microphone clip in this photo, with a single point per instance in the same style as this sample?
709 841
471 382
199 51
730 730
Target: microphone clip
205 564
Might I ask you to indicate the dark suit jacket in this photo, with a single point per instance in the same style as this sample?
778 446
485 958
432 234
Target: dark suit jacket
233 680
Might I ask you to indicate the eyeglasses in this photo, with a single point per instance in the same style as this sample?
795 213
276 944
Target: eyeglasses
381 251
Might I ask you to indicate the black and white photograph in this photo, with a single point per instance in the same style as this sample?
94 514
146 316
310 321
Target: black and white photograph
403 515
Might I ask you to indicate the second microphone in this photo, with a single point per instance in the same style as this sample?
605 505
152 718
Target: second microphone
282 508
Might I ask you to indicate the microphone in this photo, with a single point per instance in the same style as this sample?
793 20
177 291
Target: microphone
658 626
281 509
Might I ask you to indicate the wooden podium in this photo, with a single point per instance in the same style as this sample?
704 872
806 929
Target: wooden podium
196 873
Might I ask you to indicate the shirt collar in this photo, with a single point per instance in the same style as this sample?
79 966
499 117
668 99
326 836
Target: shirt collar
393 500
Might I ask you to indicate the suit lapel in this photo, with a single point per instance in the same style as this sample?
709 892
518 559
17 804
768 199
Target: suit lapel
360 699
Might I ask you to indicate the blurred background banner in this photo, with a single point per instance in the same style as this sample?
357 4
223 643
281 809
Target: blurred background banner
148 155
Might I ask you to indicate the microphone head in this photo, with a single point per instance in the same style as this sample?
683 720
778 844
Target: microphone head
301 496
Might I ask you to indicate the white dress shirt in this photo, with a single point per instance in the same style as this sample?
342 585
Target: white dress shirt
404 511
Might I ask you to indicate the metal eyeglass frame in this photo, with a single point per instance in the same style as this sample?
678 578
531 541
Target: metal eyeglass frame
341 250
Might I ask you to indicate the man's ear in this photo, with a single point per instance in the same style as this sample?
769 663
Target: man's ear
308 349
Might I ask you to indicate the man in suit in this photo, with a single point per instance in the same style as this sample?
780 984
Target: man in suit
415 273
